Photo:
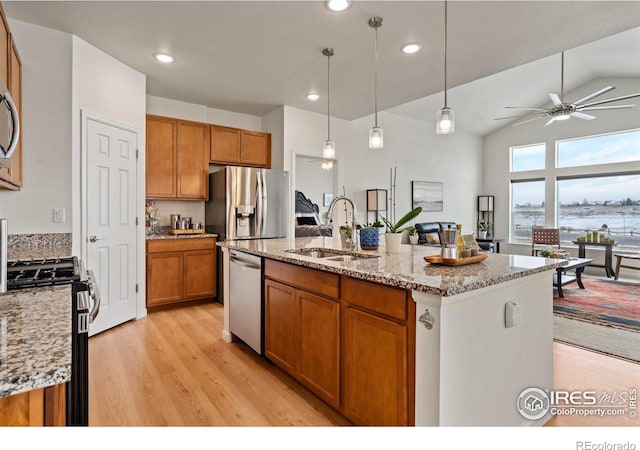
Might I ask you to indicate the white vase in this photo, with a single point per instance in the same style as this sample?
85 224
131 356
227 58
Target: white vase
482 234
413 239
392 242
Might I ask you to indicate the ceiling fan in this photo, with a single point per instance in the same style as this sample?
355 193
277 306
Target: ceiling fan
563 111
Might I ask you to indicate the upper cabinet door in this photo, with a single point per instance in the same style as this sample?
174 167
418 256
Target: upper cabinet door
4 49
193 160
256 149
225 144
161 157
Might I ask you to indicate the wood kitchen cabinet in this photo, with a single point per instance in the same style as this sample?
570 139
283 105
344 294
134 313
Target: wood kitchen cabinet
302 328
350 341
240 147
35 408
180 270
378 356
11 73
177 158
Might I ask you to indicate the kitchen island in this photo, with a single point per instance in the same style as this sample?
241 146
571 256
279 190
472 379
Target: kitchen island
414 343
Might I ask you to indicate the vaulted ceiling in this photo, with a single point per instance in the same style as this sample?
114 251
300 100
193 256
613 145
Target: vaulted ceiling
251 57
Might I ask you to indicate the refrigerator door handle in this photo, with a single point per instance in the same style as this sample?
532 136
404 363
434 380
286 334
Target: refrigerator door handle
264 202
260 212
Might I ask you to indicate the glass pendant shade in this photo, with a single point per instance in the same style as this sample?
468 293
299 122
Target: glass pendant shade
329 149
445 121
327 165
376 138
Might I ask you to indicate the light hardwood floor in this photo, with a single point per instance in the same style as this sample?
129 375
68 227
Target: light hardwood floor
173 368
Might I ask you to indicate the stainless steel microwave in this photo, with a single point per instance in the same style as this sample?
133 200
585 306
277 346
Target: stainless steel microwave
9 126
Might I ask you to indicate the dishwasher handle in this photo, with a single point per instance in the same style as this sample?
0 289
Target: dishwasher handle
234 258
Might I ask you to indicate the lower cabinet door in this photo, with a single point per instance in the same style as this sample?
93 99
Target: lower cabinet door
375 369
199 273
280 325
164 277
319 337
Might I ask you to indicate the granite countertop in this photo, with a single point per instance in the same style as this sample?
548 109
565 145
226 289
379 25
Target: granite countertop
35 338
152 237
406 269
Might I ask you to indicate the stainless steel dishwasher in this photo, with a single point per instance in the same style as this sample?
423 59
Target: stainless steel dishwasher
245 298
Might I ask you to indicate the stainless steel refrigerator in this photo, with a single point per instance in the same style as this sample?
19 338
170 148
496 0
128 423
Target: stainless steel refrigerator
247 203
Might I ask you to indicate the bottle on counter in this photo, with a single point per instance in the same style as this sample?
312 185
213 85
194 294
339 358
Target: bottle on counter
460 241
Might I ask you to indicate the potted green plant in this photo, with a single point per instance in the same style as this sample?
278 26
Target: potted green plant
370 236
483 228
393 236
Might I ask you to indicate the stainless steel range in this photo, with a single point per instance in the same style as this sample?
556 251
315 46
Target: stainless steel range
34 273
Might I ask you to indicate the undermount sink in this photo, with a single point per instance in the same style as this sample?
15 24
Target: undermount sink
330 254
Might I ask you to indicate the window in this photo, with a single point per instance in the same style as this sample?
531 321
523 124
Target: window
527 157
527 208
603 149
608 204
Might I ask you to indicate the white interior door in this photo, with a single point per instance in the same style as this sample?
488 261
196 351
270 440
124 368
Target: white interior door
111 220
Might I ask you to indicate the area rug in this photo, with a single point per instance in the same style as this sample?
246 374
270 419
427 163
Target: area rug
603 301
604 317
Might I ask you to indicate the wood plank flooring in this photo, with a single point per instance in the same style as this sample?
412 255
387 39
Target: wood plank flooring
173 368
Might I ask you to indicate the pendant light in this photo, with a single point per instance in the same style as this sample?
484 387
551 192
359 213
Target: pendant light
329 147
445 117
376 133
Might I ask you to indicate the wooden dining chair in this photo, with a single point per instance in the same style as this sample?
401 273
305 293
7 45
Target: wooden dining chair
544 237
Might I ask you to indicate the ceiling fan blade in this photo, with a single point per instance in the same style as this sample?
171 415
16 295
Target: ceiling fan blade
528 120
597 108
579 115
550 121
526 109
615 99
555 99
595 94
522 116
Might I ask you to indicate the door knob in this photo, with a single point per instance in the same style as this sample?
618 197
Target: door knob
94 238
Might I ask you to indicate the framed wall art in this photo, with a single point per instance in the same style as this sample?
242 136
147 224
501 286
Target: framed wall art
427 194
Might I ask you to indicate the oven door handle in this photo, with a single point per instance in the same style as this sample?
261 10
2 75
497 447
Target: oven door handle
94 293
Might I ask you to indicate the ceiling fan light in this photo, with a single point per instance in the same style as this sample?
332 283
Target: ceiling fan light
445 121
563 115
329 150
376 138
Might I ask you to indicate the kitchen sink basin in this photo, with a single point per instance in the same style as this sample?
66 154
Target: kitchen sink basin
330 254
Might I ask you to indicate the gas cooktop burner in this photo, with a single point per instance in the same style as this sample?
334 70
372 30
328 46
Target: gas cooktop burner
42 272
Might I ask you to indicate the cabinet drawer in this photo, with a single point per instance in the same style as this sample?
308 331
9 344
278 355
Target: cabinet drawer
327 284
180 244
374 297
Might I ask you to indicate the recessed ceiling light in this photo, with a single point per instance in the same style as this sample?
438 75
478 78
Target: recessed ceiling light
414 47
313 97
338 5
163 57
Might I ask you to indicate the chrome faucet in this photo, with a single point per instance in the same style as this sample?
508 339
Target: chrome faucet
353 241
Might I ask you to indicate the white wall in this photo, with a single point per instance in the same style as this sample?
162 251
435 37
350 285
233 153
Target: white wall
108 88
419 155
273 123
496 151
46 132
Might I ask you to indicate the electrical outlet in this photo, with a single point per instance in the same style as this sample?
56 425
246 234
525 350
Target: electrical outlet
512 314
58 215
